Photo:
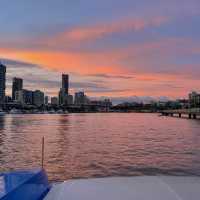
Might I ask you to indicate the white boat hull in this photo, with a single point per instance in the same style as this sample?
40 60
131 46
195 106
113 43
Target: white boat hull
128 188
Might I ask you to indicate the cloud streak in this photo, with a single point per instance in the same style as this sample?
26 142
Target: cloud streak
94 32
107 76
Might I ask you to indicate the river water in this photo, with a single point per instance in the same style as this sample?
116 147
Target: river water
101 144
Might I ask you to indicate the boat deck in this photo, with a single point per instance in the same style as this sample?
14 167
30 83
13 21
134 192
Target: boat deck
128 188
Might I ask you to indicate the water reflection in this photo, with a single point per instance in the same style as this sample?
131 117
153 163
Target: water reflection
2 136
2 122
57 146
94 145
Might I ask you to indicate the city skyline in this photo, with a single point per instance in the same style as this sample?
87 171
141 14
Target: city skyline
24 98
59 84
80 102
122 49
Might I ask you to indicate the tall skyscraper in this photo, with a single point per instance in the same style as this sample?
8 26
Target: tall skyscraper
16 86
64 91
65 83
2 82
62 96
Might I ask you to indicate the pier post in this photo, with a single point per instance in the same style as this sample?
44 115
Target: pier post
179 115
194 116
190 116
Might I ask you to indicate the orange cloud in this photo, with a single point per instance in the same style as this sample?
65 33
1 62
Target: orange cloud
147 80
84 63
135 58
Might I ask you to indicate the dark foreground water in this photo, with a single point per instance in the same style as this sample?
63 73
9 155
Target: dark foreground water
96 145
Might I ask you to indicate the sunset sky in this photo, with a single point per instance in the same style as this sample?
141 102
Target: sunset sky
114 48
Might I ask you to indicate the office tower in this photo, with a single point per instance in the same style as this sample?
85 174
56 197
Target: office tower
46 100
16 86
38 98
65 83
62 96
24 97
20 96
64 90
29 97
2 82
80 99
69 99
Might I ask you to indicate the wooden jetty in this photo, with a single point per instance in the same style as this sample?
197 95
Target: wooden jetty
192 113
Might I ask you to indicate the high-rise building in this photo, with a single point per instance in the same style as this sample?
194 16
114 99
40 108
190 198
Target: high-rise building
38 98
46 100
65 83
24 97
64 90
69 99
16 86
20 96
62 96
29 97
2 82
80 99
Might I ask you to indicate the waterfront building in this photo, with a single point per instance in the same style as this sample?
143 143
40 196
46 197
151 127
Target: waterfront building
184 103
65 99
70 99
24 97
8 99
17 85
46 100
54 101
62 96
38 98
64 90
65 83
102 105
19 96
194 100
2 82
29 97
81 99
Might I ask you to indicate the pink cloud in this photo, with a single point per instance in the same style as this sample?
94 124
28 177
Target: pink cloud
93 32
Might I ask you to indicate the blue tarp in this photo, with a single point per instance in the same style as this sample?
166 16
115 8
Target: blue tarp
24 185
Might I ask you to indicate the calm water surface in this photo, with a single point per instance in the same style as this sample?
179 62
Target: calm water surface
98 145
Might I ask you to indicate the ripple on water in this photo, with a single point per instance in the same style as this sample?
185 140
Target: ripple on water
101 144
